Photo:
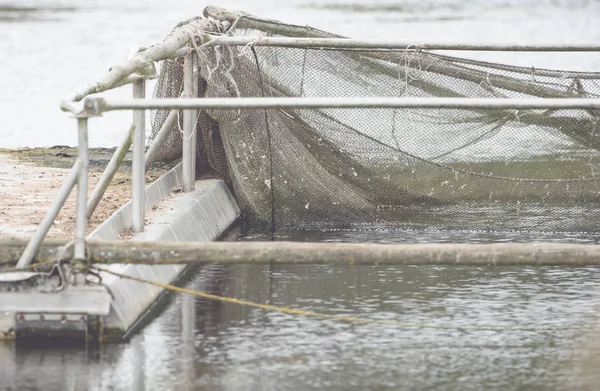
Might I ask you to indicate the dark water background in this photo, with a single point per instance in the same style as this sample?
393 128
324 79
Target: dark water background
48 47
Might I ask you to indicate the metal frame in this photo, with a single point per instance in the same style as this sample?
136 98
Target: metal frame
82 189
37 238
77 176
102 105
94 106
190 91
138 169
109 172
347 43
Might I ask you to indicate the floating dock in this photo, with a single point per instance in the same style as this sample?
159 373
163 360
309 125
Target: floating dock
34 307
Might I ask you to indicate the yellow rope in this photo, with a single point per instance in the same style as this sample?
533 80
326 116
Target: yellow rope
287 310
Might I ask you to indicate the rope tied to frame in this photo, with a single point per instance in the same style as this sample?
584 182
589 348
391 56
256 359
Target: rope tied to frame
74 266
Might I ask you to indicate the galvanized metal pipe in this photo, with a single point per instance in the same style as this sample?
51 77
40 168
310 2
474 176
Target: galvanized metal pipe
141 63
347 43
82 189
138 171
339 43
189 124
297 253
182 52
176 45
109 172
160 138
104 104
34 243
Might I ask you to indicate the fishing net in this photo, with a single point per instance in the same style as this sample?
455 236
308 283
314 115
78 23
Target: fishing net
530 170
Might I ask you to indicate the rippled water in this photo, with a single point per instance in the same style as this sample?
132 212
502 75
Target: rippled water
49 47
386 236
208 345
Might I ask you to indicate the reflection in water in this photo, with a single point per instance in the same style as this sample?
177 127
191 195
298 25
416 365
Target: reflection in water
209 345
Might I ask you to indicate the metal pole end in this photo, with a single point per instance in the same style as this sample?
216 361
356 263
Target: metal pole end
71 106
92 107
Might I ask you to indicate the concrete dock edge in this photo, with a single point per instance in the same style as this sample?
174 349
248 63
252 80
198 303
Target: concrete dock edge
111 308
201 215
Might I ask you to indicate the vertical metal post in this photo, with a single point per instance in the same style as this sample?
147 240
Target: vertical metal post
82 189
138 170
190 90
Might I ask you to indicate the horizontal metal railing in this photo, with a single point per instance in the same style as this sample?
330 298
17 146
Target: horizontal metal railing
347 43
97 105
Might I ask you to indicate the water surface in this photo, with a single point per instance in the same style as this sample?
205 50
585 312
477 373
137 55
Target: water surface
199 344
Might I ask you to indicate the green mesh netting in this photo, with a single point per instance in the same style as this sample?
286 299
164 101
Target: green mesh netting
414 168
